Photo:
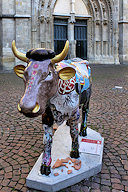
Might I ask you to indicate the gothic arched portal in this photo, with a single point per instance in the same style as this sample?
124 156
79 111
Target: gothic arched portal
102 41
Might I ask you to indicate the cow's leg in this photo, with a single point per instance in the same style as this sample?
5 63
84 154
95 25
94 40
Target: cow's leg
73 123
47 120
85 109
83 129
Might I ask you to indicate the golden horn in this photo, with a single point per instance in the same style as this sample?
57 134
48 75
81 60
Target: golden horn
17 53
36 109
62 55
18 106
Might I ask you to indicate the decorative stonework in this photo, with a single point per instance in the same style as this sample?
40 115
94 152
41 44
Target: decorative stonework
103 14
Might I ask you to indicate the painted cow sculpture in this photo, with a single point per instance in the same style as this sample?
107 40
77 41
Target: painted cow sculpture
56 89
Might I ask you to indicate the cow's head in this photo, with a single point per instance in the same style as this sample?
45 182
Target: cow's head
40 78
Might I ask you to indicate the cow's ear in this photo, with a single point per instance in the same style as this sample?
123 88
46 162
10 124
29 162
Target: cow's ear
19 70
67 73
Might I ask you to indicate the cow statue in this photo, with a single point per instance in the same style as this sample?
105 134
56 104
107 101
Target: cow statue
56 89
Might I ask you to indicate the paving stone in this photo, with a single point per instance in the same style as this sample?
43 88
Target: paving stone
105 182
116 176
125 183
20 137
117 186
84 189
22 181
75 188
97 180
8 175
115 180
5 189
105 188
5 182
12 184
126 188
95 185
18 186
125 177
24 189
105 176
115 190
126 167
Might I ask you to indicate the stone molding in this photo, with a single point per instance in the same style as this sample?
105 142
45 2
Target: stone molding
14 16
123 22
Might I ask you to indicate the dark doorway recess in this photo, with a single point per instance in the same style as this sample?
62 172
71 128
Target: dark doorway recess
60 34
81 38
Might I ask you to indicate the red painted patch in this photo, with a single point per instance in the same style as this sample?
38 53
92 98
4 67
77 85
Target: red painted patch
65 87
35 66
34 72
91 141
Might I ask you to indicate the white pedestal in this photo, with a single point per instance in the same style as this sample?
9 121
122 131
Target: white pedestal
91 164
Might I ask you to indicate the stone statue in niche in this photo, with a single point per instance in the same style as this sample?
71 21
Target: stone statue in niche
97 12
54 88
42 3
104 11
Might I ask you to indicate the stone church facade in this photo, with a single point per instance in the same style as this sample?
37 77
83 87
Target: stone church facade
96 29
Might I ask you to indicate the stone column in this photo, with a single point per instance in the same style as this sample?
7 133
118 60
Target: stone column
48 33
123 32
116 30
1 36
48 27
90 39
33 23
72 52
43 31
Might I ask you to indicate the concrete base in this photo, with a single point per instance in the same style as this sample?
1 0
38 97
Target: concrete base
91 164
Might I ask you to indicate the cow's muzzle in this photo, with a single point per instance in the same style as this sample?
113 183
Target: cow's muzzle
33 111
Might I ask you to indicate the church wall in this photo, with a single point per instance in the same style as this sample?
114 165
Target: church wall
31 24
16 25
8 36
1 45
8 7
62 8
123 32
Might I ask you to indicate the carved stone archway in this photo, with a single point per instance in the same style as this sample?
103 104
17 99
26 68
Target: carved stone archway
102 28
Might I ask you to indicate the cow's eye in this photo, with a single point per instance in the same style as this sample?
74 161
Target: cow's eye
49 77
50 73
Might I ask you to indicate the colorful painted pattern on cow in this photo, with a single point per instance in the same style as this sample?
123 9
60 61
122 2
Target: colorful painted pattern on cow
31 81
66 86
82 76
73 123
47 141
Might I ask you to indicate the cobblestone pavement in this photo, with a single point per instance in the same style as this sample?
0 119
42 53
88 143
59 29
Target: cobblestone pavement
21 137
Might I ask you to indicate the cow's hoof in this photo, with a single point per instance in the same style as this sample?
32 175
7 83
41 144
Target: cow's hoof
74 154
83 133
67 123
45 170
